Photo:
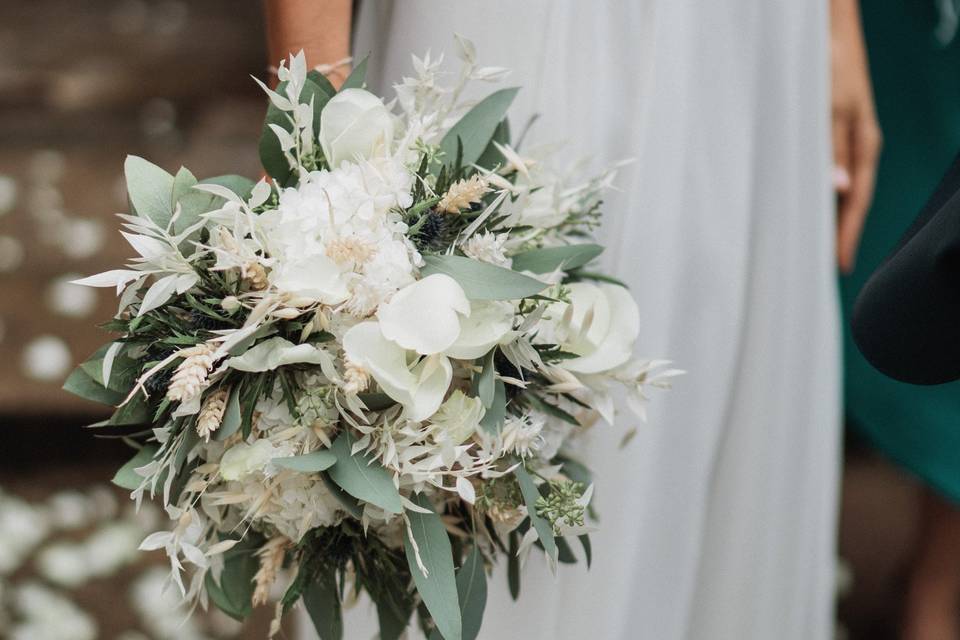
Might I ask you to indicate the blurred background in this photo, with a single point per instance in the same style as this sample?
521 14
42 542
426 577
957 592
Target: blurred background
169 80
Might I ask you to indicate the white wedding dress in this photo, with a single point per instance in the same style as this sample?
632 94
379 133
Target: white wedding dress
717 520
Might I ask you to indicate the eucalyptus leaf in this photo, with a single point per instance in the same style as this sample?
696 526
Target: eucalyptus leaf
493 418
530 495
357 77
150 189
80 383
363 477
472 593
491 156
486 381
438 588
231 416
347 501
587 548
126 477
481 280
551 258
309 462
234 592
513 565
477 126
322 601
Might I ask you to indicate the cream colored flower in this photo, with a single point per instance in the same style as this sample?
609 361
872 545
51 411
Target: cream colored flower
354 125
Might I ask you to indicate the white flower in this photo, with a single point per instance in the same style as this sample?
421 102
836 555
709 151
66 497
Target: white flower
354 125
418 385
459 416
600 324
425 316
487 247
242 459
488 323
310 278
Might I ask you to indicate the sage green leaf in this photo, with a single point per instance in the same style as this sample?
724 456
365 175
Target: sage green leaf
392 624
323 82
363 477
485 381
491 156
233 593
126 477
309 462
194 202
513 565
472 592
564 552
438 588
357 76
530 495
79 383
240 185
322 601
347 501
551 258
124 371
493 418
232 416
150 189
587 548
476 127
481 280
183 183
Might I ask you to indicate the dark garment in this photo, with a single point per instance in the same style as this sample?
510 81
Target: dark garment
907 319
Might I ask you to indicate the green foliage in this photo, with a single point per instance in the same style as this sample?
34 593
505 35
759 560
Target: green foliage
484 382
483 281
322 601
530 497
309 462
151 190
491 156
551 258
233 593
559 507
362 476
493 419
477 126
438 587
317 88
126 477
357 77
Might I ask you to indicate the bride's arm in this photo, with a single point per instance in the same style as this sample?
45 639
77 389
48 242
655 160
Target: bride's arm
320 27
856 134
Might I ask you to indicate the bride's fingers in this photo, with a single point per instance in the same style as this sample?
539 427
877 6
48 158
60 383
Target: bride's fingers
841 153
864 151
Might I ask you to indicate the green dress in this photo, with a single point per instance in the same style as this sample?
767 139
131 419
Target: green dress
916 79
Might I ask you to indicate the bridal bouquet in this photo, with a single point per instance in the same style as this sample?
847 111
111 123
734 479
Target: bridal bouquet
364 373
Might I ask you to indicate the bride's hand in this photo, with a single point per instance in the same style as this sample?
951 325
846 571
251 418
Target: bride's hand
856 134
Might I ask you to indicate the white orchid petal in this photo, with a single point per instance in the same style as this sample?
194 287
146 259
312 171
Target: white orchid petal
489 322
425 316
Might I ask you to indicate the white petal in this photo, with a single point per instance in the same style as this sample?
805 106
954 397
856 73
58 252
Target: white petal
466 491
158 293
615 345
488 323
113 278
419 389
424 316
